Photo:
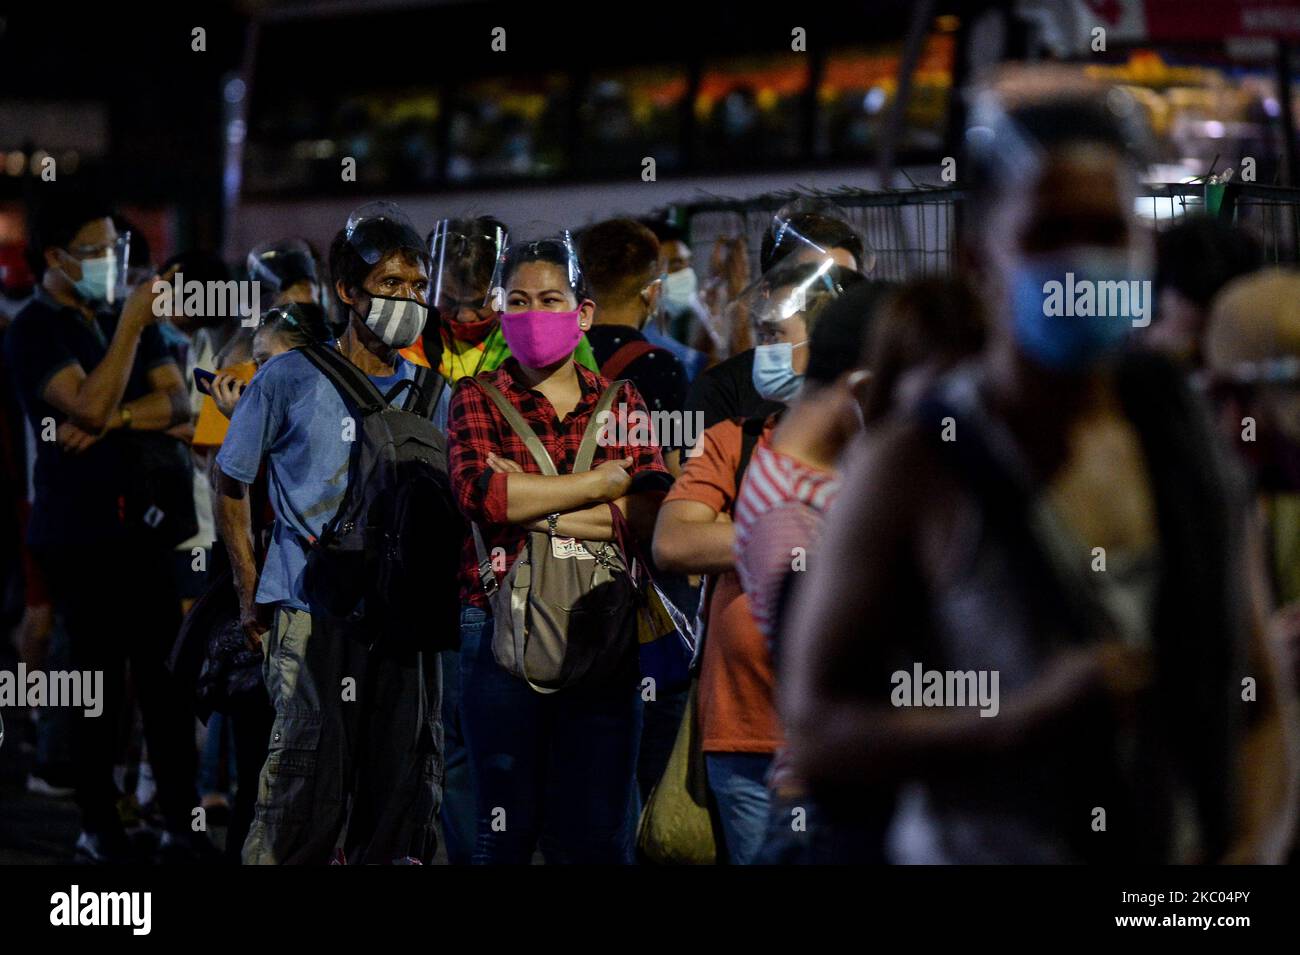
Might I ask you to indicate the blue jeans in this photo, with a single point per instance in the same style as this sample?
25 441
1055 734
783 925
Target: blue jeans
457 815
550 770
738 783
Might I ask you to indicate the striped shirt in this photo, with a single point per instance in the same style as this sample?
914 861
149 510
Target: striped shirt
778 519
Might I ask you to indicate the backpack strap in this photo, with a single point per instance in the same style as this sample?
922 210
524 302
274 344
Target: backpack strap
626 353
357 389
519 426
486 575
427 392
587 449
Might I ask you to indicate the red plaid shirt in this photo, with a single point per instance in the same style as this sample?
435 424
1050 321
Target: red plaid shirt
475 428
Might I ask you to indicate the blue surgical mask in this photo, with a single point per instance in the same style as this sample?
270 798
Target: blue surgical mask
1075 308
98 282
774 376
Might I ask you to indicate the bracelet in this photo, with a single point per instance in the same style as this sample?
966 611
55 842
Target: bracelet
551 520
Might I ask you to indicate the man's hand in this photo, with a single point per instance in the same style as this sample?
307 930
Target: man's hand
138 310
226 390
254 622
611 480
73 439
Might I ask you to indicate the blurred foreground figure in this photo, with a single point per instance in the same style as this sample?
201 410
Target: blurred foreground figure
1030 616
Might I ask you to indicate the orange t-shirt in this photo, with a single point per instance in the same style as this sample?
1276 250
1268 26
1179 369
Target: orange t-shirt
210 428
735 697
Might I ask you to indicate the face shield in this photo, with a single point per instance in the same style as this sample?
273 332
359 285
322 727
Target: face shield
540 273
103 270
787 292
811 229
464 256
283 264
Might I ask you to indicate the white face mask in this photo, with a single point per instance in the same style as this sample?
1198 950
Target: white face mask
397 321
680 288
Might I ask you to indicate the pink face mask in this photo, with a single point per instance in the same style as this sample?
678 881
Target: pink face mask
540 339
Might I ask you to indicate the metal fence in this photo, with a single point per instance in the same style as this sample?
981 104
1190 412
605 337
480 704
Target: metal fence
912 232
1269 213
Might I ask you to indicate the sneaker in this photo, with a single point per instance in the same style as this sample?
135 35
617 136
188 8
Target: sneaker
39 786
101 848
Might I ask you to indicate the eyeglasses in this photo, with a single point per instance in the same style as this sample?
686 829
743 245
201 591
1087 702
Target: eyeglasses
122 242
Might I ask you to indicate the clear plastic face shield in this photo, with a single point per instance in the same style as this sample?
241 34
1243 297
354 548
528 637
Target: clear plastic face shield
464 257
811 229
104 270
537 274
397 310
778 305
281 265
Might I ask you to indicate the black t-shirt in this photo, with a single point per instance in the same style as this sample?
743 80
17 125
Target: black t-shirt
77 496
727 391
659 375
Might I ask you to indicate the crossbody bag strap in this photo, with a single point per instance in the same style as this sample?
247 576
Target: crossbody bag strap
520 427
587 449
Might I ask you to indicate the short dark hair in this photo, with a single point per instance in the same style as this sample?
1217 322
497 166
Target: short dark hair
1200 255
619 257
60 215
823 230
838 340
930 320
347 265
198 264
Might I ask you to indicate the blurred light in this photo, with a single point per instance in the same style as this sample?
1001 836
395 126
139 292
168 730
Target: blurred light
235 91
15 163
235 132
1214 129
1271 106
38 157
874 101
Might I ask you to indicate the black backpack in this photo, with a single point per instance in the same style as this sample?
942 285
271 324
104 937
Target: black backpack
391 553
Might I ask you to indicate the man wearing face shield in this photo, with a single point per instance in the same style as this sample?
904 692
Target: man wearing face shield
1058 515
695 534
731 388
467 340
88 360
293 418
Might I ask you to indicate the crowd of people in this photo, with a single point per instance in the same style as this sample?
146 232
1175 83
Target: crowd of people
389 569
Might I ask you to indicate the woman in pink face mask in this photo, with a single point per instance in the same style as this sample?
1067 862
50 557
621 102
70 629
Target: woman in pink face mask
577 747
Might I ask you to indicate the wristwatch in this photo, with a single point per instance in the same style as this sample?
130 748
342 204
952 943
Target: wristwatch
551 520
126 417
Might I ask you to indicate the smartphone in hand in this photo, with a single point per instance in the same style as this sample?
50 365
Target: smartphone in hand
203 380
